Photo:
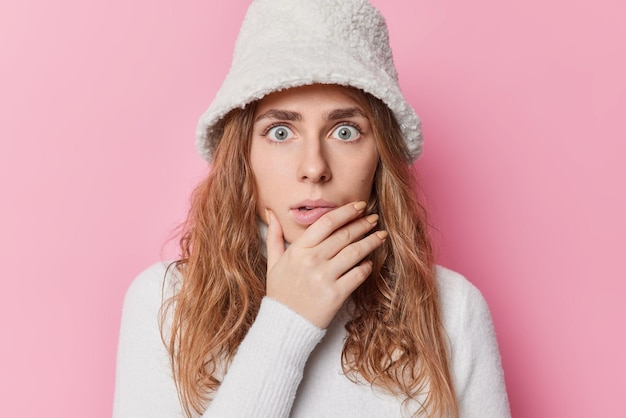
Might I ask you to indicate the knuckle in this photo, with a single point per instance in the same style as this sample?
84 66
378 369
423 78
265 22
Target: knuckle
344 235
334 297
357 273
317 277
358 276
327 221
309 261
363 272
354 252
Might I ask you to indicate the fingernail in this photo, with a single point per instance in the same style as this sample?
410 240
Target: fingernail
373 218
360 206
267 216
382 235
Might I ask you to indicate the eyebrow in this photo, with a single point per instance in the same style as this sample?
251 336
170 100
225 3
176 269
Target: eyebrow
344 113
280 115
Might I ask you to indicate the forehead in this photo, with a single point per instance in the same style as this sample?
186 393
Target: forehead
321 97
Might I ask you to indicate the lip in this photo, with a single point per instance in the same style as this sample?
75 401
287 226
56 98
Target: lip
317 208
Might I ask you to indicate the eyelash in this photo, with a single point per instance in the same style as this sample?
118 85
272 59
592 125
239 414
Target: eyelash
274 125
352 124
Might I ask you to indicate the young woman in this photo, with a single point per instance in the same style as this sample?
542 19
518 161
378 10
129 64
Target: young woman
306 285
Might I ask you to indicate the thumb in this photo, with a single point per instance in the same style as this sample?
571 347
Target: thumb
274 242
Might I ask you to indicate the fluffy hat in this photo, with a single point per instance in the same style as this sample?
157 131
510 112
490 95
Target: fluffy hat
291 43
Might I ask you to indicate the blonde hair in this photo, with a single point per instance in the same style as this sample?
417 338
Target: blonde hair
395 335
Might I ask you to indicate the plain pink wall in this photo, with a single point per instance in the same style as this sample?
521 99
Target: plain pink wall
523 105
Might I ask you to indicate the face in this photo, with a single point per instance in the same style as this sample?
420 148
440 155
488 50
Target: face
312 150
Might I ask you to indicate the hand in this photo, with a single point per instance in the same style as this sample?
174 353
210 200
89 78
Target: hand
320 269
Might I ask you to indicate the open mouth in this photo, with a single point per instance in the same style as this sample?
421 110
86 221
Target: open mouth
307 214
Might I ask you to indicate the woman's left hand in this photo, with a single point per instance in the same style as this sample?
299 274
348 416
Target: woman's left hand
321 268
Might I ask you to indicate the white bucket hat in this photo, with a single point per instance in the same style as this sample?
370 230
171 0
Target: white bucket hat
291 43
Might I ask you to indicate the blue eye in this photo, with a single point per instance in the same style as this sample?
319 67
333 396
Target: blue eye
280 133
346 133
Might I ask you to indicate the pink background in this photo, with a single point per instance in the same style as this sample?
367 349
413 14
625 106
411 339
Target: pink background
523 106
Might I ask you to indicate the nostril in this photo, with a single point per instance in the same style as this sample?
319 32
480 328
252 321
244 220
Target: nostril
313 167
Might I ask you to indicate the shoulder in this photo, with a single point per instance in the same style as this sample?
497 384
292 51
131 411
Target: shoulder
162 277
454 289
144 385
475 360
151 287
462 305
142 313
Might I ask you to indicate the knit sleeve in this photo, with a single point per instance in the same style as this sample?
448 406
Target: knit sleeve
261 381
265 373
475 360
143 385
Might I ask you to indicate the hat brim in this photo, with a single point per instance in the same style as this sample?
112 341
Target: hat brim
259 73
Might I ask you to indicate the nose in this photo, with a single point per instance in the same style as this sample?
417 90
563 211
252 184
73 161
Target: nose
313 166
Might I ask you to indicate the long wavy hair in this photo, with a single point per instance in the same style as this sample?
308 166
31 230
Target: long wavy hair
395 338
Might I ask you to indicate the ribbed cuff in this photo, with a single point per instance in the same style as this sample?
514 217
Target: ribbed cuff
282 336
264 376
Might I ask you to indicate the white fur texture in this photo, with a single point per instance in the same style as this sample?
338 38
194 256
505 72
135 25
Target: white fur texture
290 43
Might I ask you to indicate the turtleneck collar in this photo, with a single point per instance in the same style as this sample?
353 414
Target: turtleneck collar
263 232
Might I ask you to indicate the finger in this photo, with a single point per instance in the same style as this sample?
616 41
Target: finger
348 234
327 224
274 242
355 252
348 283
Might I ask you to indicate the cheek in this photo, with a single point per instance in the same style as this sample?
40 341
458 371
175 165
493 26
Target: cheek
268 175
269 181
368 168
259 163
258 175
365 187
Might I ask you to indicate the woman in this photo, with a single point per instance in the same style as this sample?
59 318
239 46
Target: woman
306 285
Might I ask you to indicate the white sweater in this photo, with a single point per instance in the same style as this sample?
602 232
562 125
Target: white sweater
287 367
